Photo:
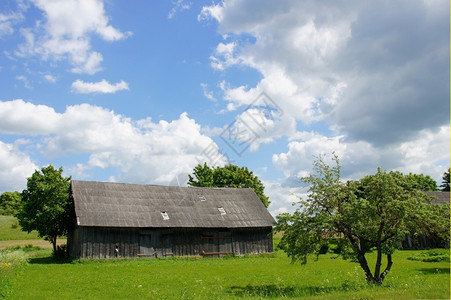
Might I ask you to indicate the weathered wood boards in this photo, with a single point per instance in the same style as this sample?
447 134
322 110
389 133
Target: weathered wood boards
95 242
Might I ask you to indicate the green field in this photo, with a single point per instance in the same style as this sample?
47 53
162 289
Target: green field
7 232
250 277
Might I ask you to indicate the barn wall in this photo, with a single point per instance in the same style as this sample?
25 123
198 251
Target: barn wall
99 242
252 240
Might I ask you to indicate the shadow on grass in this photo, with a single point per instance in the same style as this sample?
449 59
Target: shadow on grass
49 260
431 271
272 290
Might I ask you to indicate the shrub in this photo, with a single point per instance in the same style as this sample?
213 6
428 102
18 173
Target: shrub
11 259
15 224
433 255
61 252
13 256
324 248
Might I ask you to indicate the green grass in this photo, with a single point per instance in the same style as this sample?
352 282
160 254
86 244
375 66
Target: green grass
236 278
266 276
8 233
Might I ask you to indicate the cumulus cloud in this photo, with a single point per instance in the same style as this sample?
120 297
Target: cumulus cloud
282 196
15 167
427 154
25 118
140 151
66 33
374 71
103 87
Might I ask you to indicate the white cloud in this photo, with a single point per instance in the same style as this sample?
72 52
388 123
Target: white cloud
140 151
7 22
207 93
179 6
50 78
373 70
226 55
102 86
25 81
66 33
25 118
282 195
427 154
15 167
208 12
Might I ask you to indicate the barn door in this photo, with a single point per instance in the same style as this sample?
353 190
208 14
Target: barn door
166 243
145 245
216 243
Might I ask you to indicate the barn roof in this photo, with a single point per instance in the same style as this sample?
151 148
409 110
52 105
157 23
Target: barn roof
439 197
109 204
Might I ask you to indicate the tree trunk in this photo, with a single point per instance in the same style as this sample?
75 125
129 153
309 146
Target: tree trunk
54 244
387 269
364 265
377 269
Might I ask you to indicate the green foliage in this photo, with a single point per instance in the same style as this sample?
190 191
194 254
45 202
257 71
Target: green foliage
374 212
228 176
46 206
61 252
433 255
10 203
422 182
445 183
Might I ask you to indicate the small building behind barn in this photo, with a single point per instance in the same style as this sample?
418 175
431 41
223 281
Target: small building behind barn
424 241
130 220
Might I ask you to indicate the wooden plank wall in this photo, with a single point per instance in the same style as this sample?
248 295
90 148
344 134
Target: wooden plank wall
97 242
252 241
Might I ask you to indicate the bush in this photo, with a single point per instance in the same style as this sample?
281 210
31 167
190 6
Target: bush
433 255
324 248
13 257
15 224
61 252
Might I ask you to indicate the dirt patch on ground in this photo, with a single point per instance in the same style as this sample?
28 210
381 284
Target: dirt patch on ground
38 243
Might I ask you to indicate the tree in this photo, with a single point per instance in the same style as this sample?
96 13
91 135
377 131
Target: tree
10 203
445 182
228 176
422 182
372 213
46 206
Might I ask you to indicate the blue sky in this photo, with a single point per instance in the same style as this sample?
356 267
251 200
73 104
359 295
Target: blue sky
142 92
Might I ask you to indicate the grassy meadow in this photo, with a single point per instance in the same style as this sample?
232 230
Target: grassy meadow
10 230
249 277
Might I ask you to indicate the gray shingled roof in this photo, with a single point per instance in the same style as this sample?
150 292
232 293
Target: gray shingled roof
109 204
439 197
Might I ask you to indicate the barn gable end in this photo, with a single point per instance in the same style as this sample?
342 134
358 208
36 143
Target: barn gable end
128 220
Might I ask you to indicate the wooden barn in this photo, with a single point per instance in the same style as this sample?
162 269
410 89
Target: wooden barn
425 241
129 220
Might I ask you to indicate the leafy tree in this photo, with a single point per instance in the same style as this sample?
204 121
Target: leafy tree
228 176
445 183
422 182
46 206
10 203
373 213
